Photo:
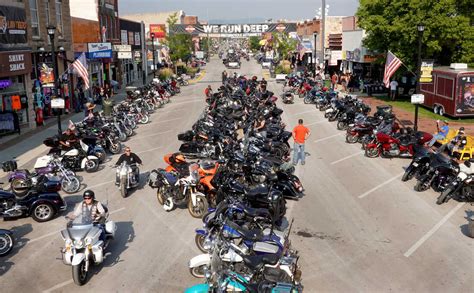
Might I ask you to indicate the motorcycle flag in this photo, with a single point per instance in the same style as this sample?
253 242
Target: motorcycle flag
80 68
391 65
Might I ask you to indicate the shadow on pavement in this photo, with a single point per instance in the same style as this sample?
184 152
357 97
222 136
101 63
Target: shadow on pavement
19 233
468 229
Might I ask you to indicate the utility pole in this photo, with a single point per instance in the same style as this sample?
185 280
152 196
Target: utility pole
323 31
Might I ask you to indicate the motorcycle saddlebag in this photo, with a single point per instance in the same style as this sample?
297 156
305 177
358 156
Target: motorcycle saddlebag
9 166
51 142
186 136
47 185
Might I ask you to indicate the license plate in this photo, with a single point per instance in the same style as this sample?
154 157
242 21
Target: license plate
415 164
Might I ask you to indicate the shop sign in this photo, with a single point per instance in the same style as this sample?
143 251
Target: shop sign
13 26
124 55
335 56
16 103
57 103
4 83
15 63
99 50
369 58
122 48
426 69
123 37
159 30
235 29
137 39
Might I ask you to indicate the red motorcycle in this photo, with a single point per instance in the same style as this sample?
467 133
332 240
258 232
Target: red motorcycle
305 87
402 146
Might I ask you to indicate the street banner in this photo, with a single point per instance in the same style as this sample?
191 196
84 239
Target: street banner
13 27
233 29
426 70
159 30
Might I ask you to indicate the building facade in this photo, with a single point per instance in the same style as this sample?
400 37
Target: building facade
129 52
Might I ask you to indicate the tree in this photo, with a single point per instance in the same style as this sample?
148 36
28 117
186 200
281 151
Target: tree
284 44
254 43
179 44
392 25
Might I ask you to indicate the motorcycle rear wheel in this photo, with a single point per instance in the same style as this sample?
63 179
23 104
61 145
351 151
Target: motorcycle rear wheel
79 274
197 272
6 244
372 152
200 209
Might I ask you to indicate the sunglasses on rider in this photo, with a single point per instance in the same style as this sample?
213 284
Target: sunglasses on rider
86 198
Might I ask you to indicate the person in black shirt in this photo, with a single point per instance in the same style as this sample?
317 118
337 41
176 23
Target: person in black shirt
132 160
67 139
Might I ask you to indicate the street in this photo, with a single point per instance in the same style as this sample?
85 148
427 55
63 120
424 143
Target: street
358 227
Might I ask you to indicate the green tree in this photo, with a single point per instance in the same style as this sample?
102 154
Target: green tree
254 43
284 44
392 25
179 44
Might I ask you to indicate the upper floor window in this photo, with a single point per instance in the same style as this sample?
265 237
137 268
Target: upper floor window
34 18
59 17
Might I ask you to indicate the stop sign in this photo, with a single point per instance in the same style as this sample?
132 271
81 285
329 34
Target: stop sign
190 29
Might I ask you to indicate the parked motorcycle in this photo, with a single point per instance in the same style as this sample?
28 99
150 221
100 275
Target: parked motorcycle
462 186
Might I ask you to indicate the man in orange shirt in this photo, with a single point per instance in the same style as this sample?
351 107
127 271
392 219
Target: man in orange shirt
300 134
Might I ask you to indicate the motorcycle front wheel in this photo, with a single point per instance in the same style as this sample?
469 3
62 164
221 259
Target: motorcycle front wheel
341 125
123 187
445 195
372 152
200 209
91 166
122 136
6 244
351 138
197 272
145 119
199 239
70 185
79 273
115 148
307 100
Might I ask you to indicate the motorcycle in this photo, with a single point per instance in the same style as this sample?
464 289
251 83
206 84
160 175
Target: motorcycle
462 185
83 246
125 178
172 191
75 159
390 146
287 97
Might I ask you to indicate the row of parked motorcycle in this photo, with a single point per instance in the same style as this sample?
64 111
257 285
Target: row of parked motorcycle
382 134
237 178
83 147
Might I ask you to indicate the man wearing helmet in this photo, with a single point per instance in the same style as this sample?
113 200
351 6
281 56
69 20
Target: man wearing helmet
91 210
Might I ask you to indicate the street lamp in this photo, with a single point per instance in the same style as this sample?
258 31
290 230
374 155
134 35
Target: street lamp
421 29
153 48
51 30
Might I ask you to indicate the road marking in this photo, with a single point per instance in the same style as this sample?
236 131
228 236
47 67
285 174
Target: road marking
60 285
155 134
162 121
317 122
329 137
433 230
304 112
380 185
196 80
345 158
149 150
116 211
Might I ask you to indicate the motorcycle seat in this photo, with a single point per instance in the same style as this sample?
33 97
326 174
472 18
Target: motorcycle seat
254 192
256 261
255 212
252 235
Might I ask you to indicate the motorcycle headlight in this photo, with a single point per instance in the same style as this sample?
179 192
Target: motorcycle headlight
79 244
88 241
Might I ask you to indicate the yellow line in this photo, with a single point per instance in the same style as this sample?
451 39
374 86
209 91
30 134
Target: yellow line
201 76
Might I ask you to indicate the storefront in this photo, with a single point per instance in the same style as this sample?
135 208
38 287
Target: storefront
130 51
15 85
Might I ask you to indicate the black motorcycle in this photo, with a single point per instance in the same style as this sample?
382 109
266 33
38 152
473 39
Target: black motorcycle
440 173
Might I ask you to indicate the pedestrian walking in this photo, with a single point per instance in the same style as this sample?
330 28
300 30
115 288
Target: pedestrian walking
300 135
393 89
333 81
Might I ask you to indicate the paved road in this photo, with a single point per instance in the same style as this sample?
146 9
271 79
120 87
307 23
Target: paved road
358 228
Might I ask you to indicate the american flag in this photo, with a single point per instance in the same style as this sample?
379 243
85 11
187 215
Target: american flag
392 64
80 68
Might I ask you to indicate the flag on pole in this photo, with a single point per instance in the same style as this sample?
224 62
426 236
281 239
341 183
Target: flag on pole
391 65
80 68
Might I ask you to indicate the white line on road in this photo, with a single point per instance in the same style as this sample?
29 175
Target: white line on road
345 158
380 185
155 134
329 137
433 230
60 285
317 122
162 121
149 150
304 112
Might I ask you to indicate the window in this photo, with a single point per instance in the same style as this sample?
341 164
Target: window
48 20
59 17
34 18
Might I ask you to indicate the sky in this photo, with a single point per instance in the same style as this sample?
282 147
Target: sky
241 9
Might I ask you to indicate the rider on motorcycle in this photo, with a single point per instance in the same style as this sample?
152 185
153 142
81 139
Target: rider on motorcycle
67 139
132 160
92 211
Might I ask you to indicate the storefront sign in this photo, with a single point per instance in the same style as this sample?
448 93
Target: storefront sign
122 48
123 37
57 103
335 56
137 39
417 99
4 83
99 50
234 29
15 63
159 30
13 26
124 55
426 69
46 76
369 58
131 41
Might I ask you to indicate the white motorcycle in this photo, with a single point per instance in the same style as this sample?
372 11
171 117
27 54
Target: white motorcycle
83 247
126 179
